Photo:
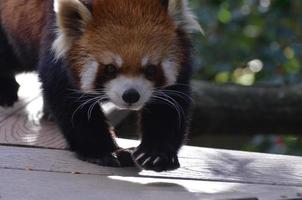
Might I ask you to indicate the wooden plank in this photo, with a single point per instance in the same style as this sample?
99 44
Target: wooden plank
207 164
26 128
32 185
28 91
236 166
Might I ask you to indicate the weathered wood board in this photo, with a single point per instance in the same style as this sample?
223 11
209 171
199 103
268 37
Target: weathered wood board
34 174
196 164
26 128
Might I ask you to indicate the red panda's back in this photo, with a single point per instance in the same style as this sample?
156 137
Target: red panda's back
23 22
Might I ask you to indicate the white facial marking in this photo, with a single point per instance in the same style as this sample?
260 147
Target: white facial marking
111 58
170 71
117 87
88 76
145 61
152 60
118 60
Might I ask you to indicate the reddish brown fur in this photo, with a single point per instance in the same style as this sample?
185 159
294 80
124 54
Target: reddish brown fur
24 20
132 29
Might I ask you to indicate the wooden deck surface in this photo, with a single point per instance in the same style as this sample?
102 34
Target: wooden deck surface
34 165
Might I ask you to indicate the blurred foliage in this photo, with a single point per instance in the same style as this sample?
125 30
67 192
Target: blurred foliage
249 41
277 144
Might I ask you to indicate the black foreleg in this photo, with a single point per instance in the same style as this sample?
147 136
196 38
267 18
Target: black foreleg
164 125
84 126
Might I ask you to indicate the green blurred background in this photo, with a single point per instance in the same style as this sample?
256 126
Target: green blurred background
250 42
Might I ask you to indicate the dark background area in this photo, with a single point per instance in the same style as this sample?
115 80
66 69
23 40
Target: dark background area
247 80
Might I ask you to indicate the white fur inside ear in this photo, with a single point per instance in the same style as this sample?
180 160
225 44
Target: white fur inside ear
61 45
180 11
66 23
88 76
170 71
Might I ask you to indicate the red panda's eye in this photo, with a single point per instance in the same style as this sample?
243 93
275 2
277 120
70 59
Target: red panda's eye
151 71
111 70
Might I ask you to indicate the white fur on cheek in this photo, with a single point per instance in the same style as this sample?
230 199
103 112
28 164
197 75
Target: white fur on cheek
170 71
116 88
88 76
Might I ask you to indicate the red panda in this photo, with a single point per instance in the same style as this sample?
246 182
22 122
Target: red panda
134 53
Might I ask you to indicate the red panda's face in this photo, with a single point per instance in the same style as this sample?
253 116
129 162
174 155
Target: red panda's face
127 48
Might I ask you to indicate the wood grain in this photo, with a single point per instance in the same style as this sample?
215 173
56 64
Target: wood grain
205 164
26 128
32 185
34 174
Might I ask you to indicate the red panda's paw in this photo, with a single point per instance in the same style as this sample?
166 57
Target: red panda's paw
8 92
8 101
120 158
152 159
125 157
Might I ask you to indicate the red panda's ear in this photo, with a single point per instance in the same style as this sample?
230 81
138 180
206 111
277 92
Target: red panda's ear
72 17
185 20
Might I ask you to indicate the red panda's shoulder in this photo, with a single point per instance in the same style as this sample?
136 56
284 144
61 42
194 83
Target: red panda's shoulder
24 19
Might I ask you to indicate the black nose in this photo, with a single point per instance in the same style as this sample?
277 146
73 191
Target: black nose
131 96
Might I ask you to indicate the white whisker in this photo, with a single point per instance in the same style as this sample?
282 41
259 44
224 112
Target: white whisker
88 98
184 96
171 104
179 108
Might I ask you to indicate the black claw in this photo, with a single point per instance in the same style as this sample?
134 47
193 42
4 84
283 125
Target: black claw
108 160
125 157
120 158
155 160
8 101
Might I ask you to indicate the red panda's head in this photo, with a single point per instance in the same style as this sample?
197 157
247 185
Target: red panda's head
127 48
